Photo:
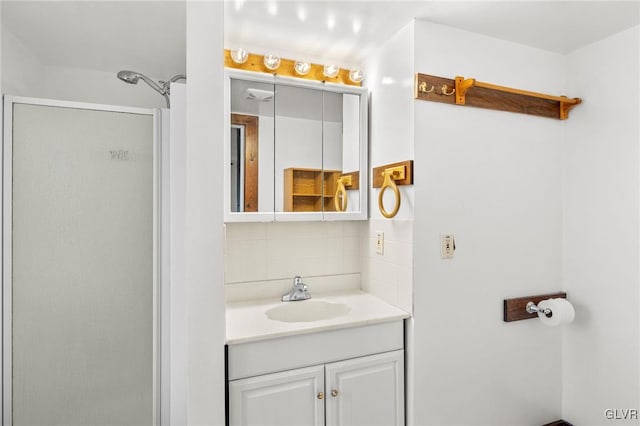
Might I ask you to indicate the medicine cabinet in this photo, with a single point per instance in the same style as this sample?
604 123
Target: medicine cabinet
295 150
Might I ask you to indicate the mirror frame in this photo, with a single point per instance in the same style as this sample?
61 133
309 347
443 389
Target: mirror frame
362 214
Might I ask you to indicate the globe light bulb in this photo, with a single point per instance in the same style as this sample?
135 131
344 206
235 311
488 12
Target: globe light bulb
239 56
356 75
272 62
302 68
330 71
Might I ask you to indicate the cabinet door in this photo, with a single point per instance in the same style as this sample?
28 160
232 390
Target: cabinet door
290 398
366 391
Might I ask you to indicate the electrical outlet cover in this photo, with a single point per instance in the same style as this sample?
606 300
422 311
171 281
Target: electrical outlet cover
379 242
447 246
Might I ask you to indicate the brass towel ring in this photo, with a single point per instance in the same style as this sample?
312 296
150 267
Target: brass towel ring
340 199
389 183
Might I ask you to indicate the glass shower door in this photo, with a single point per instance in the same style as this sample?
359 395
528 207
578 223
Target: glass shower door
81 322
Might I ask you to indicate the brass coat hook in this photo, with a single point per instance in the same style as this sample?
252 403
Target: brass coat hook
444 88
422 88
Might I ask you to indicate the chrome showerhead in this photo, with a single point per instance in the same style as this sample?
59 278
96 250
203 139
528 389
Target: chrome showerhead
130 77
161 87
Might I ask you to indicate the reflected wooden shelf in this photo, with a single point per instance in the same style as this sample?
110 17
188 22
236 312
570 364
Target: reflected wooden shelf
309 190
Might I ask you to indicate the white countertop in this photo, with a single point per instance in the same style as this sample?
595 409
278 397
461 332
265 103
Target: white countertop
248 322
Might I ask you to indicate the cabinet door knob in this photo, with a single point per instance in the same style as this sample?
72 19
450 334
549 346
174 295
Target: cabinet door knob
334 393
320 395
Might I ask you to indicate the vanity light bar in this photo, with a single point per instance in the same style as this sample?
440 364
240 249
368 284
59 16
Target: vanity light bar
287 67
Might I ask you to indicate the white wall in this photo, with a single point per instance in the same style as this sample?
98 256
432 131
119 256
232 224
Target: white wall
601 253
1 50
493 179
84 85
204 219
22 73
176 348
390 81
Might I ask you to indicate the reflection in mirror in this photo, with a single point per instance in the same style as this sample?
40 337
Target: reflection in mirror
299 182
251 146
341 151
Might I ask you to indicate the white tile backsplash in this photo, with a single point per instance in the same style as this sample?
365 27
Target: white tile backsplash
276 288
273 251
246 231
388 275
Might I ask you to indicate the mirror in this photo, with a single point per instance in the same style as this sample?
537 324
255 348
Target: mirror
251 146
341 151
296 150
298 167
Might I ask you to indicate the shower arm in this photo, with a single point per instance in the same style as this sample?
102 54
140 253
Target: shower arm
166 84
162 87
155 86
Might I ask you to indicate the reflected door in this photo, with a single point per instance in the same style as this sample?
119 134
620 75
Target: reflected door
82 284
251 147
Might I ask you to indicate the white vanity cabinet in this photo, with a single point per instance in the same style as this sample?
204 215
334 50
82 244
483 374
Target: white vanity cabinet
294 398
357 379
366 391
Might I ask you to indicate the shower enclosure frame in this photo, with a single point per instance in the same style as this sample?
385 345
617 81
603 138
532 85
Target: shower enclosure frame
160 247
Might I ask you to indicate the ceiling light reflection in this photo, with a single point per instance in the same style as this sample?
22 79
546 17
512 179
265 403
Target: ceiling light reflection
272 8
357 25
331 22
302 14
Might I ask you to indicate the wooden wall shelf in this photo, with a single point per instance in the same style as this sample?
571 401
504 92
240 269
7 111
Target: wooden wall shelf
470 92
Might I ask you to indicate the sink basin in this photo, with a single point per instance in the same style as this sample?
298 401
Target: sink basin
307 311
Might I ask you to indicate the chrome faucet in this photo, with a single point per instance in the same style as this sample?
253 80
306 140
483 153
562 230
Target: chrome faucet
300 291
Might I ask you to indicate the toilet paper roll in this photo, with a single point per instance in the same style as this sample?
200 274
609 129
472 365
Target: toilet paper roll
562 312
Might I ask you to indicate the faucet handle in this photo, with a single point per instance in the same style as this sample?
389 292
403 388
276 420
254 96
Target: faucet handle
297 280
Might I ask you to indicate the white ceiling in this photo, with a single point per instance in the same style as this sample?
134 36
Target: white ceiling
325 31
145 36
150 36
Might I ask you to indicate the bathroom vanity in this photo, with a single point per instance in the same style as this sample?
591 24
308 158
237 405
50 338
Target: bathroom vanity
345 368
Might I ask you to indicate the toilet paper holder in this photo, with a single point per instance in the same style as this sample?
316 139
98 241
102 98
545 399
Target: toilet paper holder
523 308
532 308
